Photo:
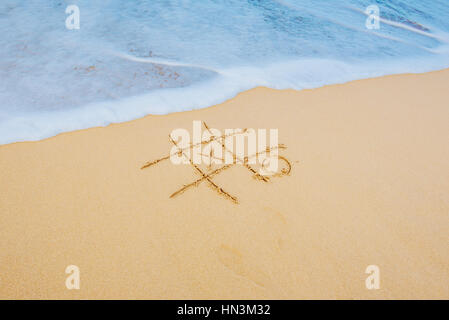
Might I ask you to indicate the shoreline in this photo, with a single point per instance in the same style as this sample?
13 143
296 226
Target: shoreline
104 110
367 187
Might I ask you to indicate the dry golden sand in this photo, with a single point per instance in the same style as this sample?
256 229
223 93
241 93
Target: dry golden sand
369 185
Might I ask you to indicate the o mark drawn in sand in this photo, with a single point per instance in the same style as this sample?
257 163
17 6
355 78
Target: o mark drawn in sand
209 174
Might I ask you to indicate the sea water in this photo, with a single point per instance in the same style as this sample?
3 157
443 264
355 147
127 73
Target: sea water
137 57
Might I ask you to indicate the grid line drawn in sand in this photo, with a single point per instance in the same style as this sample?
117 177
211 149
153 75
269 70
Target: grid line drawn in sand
208 175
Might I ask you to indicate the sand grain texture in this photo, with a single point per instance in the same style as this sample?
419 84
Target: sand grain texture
369 185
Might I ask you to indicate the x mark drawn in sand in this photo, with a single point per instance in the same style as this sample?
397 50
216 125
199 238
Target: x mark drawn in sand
209 174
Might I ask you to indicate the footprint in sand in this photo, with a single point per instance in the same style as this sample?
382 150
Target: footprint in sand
278 223
235 261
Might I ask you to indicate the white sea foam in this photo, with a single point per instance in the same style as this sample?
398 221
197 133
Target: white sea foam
133 58
298 75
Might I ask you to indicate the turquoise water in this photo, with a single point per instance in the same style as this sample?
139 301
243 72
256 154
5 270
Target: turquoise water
136 57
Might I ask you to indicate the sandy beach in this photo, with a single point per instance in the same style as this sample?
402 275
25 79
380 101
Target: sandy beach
368 186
